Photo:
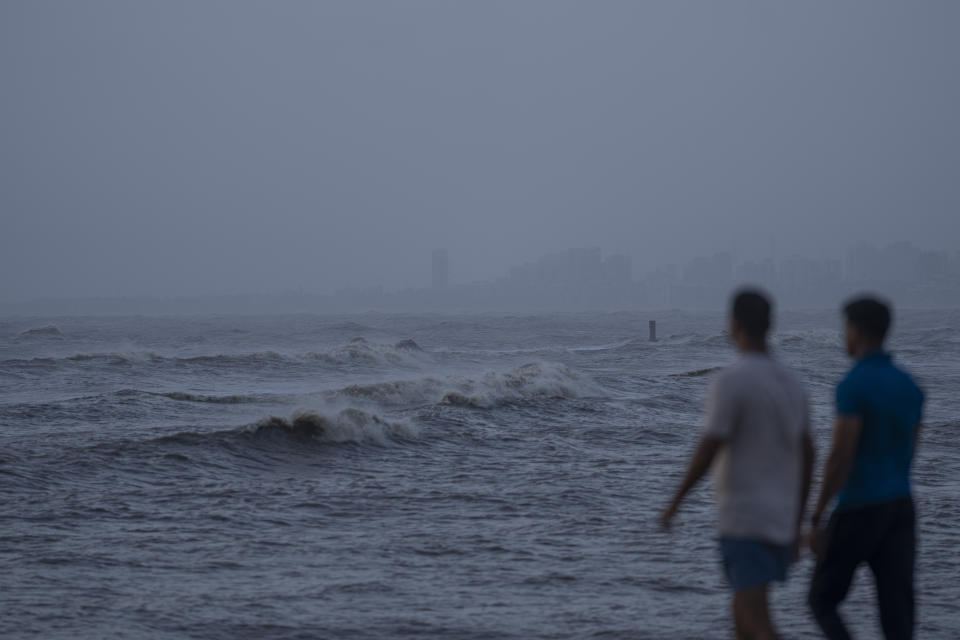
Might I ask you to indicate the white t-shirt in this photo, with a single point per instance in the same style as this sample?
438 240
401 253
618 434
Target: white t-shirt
761 411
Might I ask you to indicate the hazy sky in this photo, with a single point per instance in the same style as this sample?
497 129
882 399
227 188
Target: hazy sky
187 147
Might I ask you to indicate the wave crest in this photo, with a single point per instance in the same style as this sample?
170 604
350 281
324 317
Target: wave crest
359 351
526 383
348 425
530 381
49 331
356 352
302 428
184 396
697 373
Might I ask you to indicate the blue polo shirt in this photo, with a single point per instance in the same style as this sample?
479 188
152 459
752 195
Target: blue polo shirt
889 404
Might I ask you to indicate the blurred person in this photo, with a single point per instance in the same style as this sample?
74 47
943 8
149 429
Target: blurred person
879 409
758 430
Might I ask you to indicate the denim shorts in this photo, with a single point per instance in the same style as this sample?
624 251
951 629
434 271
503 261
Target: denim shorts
749 562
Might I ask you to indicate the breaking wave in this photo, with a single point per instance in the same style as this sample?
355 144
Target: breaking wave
358 351
528 383
348 425
49 331
361 351
525 383
76 405
183 396
534 381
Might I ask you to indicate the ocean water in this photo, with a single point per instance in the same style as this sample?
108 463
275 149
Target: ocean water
382 476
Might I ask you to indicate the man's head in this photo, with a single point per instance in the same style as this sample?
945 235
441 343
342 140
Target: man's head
749 319
868 320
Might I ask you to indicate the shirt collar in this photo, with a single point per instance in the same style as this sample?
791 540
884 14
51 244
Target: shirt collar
878 357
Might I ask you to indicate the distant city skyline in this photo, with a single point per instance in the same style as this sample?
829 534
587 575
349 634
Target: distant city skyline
584 278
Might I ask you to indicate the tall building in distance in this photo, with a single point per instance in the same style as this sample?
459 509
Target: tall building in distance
440 269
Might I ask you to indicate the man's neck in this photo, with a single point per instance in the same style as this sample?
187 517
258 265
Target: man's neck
868 349
754 348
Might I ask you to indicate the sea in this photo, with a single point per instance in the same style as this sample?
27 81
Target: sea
408 476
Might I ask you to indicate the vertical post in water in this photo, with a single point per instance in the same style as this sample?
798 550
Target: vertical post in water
653 331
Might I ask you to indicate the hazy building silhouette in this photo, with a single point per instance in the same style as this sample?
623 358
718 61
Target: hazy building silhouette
761 273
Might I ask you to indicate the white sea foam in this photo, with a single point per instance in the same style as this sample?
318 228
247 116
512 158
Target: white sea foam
527 382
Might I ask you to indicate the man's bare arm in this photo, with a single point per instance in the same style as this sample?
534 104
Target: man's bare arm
846 435
699 464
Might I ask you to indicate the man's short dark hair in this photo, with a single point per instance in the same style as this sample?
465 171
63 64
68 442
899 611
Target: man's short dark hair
751 310
870 316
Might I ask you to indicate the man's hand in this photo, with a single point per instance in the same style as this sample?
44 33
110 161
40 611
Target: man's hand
666 516
815 534
813 541
699 465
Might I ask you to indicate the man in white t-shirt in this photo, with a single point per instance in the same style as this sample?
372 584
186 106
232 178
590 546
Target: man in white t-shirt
758 432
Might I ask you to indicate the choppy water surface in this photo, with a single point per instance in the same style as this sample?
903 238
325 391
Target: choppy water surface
402 476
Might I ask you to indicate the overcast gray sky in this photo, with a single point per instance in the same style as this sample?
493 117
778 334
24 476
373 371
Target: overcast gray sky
183 147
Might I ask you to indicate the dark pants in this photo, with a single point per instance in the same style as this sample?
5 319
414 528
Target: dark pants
883 536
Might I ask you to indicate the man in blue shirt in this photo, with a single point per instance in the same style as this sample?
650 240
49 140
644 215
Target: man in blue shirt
868 471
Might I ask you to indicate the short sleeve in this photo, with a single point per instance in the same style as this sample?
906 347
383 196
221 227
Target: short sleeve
721 409
848 402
